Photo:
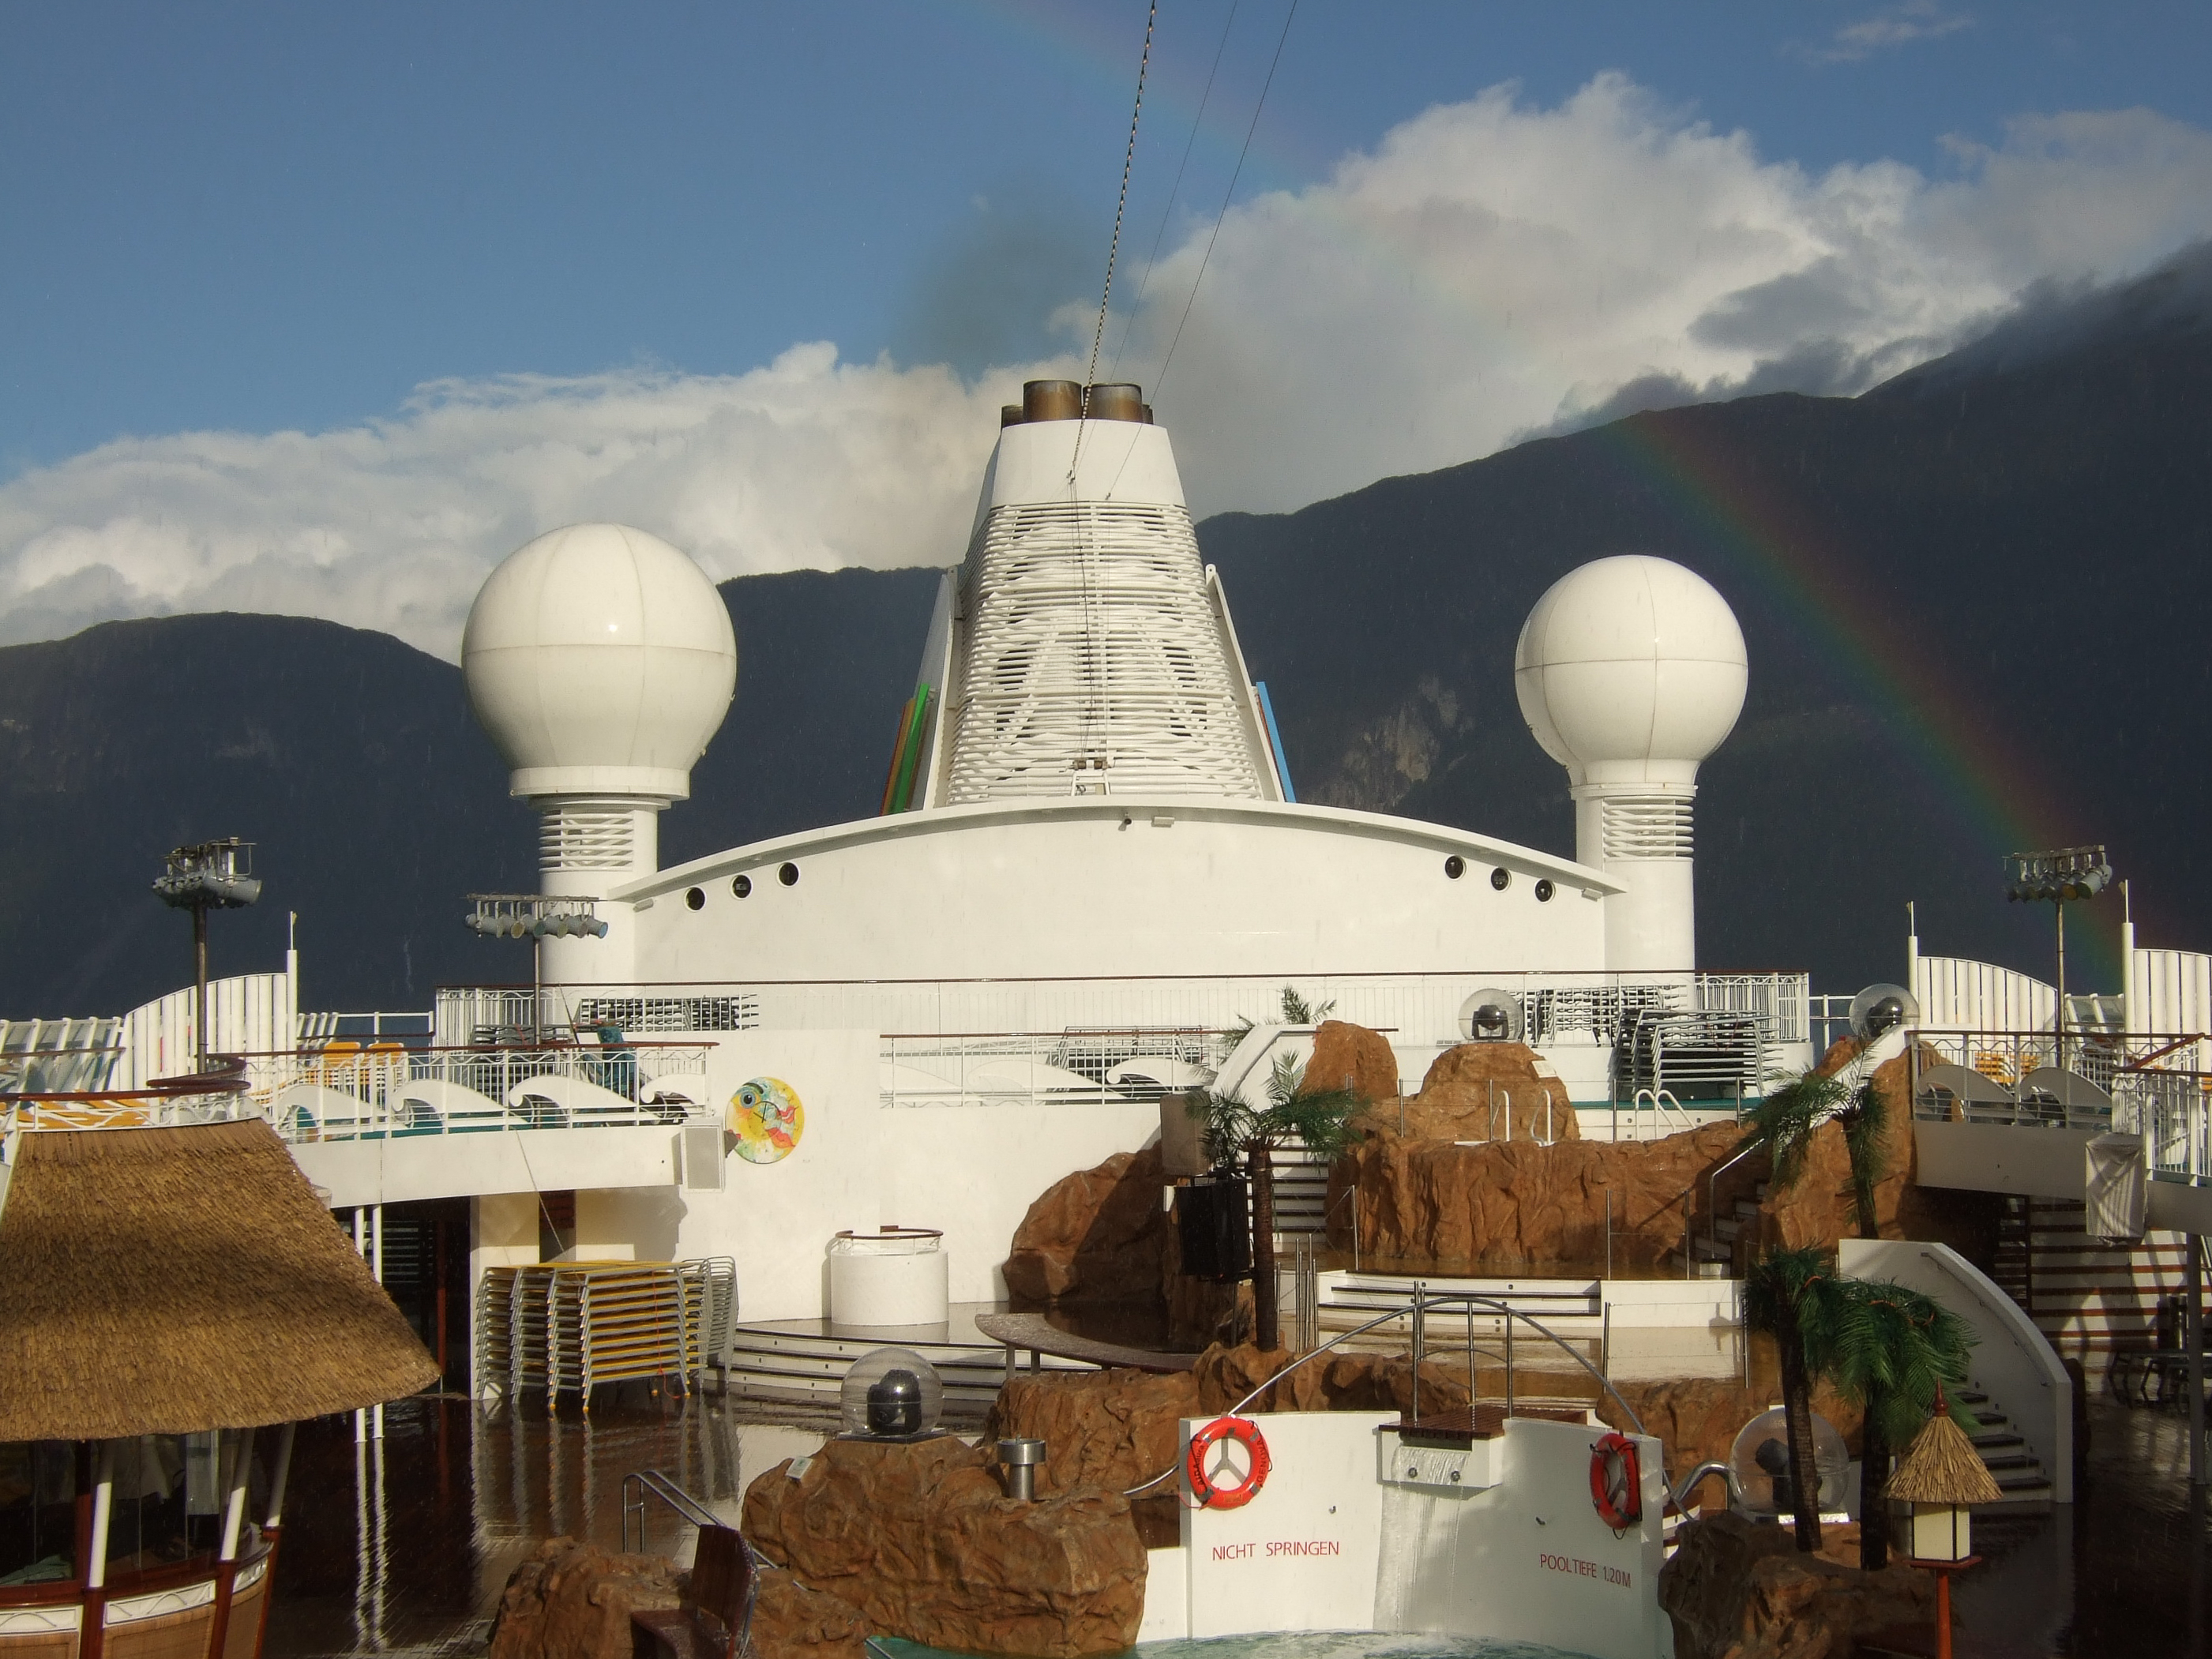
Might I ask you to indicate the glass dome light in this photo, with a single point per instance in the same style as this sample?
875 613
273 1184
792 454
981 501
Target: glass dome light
1491 1015
1881 1008
1760 1460
891 1394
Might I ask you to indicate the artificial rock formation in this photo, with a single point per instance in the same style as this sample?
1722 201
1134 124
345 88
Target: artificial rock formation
1484 1091
792 1621
922 1542
1530 1205
1819 1208
1736 1589
1348 1056
573 1600
1095 1235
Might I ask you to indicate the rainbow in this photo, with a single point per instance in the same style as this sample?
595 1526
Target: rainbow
2006 797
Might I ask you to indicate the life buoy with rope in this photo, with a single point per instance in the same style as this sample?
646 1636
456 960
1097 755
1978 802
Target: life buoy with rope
1223 1487
1617 1482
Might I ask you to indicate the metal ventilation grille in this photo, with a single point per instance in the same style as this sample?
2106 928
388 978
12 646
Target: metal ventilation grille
1094 664
1647 827
572 839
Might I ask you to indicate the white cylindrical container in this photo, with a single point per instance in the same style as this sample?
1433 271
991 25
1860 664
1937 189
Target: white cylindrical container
895 1276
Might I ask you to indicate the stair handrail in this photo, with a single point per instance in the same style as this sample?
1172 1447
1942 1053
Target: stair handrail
1688 1483
1663 1100
1423 1300
1712 1176
655 1483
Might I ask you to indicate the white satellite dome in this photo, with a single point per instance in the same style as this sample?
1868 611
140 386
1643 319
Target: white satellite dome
1630 669
601 661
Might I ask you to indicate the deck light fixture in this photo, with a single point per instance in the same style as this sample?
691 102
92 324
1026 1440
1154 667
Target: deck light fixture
536 917
2060 875
209 875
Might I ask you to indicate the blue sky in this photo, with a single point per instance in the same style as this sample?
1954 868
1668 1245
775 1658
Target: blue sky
257 219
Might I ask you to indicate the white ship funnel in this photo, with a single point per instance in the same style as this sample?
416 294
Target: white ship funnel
1092 651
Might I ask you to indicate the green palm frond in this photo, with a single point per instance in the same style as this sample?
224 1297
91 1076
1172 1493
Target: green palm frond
1896 1346
1296 1011
1864 1119
1776 1287
1781 1125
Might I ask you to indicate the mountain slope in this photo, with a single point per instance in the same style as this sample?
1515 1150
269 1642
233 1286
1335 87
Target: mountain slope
1970 599
376 802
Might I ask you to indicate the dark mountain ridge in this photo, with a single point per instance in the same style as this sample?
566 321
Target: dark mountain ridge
1972 599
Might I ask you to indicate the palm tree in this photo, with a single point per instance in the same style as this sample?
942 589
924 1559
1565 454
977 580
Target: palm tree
1790 1295
1890 1351
1320 1120
1783 1125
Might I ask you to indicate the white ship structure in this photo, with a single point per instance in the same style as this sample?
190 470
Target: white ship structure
1091 884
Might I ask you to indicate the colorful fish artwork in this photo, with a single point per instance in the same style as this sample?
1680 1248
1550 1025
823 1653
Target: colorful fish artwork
767 1118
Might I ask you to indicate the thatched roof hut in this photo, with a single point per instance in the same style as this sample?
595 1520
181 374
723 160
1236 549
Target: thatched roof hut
1942 1467
168 1281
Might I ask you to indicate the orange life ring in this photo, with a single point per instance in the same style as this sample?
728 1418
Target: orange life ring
1616 1481
1213 1492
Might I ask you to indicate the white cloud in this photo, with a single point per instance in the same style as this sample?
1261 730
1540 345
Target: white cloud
1490 269
807 463
1898 26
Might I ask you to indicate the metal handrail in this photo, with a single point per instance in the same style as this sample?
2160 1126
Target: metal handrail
653 1483
1423 1300
1688 1483
1712 1176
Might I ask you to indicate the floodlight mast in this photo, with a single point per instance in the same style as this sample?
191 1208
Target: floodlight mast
535 916
208 875
2059 874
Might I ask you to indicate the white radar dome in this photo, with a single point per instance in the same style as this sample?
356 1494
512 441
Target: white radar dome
601 660
1630 669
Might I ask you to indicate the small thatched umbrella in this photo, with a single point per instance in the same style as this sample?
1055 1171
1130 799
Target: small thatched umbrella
178 1281
1941 1476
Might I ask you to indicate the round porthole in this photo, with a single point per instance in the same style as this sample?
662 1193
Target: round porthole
1544 891
696 899
788 875
742 886
1455 866
1501 878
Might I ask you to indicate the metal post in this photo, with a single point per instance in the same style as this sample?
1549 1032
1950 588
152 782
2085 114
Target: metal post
1419 1315
1509 1362
2058 909
376 1269
199 984
361 1249
2193 1329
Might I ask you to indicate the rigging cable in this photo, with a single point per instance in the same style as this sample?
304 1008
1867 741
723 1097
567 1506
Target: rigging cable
1099 714
1227 196
1121 207
1145 283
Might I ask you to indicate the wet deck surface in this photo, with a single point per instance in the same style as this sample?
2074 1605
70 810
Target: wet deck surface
413 1563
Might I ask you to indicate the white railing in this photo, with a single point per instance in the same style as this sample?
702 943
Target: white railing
1085 1066
1783 1001
387 1092
60 1055
2157 1086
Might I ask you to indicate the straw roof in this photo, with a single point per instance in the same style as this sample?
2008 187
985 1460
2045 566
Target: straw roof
1942 1467
167 1281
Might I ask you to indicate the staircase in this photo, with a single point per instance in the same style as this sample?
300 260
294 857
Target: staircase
1713 1252
2018 1472
2090 1297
